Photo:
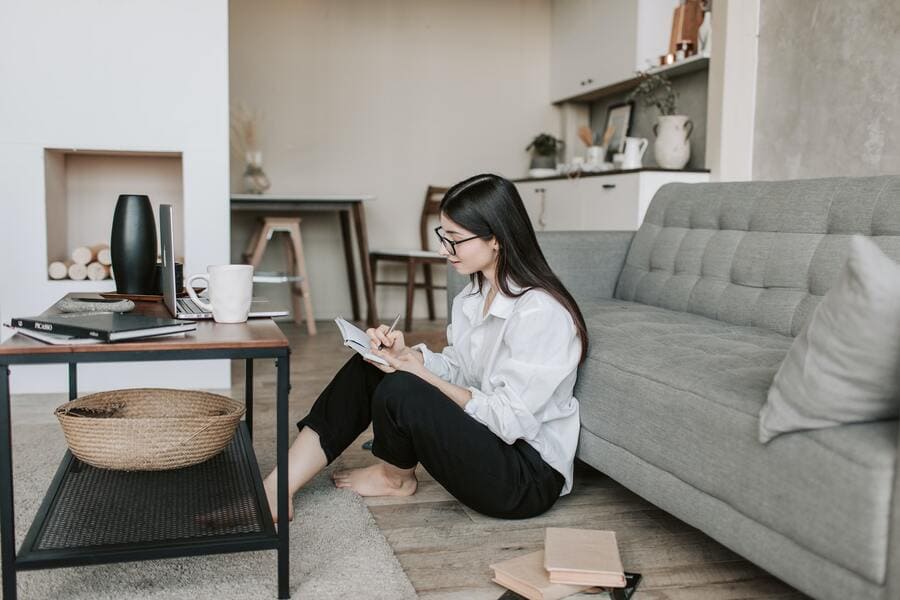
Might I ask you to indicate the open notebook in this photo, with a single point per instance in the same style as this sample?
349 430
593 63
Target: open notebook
356 338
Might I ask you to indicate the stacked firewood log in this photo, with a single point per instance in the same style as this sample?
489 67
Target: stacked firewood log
85 262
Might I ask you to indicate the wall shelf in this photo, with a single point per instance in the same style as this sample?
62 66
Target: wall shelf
688 65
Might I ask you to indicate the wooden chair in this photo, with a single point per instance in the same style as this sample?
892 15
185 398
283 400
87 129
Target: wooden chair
415 257
295 273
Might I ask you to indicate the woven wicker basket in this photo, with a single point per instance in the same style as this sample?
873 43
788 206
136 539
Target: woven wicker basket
148 429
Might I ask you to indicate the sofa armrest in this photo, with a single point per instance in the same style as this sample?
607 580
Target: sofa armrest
587 262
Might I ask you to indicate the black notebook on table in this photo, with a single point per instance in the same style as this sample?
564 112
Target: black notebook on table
105 326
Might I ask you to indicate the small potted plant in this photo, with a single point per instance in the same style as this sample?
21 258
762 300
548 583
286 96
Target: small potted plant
544 150
672 148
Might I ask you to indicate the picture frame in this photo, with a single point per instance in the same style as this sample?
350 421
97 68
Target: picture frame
618 116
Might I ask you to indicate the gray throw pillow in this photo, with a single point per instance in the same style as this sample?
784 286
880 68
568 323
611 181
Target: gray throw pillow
844 367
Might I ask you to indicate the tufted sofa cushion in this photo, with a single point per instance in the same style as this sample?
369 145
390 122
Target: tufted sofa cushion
757 253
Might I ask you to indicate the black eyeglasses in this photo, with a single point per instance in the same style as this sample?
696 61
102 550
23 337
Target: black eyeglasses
450 245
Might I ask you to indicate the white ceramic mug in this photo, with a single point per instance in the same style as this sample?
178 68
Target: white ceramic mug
634 152
230 290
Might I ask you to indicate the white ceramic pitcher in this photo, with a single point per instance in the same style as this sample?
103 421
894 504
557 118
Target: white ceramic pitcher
634 152
672 148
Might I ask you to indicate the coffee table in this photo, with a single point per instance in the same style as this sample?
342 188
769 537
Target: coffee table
93 516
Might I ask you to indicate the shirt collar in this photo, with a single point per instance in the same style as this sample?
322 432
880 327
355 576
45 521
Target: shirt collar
501 307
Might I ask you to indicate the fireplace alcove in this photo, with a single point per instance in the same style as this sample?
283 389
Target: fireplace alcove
82 186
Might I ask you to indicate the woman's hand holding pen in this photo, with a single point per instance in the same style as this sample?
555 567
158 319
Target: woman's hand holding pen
402 358
391 346
385 340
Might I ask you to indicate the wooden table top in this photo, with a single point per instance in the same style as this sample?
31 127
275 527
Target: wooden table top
297 203
255 334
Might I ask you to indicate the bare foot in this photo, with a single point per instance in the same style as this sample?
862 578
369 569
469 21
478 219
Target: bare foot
271 488
375 481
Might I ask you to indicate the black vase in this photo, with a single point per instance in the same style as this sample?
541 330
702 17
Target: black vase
133 244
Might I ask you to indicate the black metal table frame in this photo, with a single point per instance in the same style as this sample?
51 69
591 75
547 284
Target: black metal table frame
280 542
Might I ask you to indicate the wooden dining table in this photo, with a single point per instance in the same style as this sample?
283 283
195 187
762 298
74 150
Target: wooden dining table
351 213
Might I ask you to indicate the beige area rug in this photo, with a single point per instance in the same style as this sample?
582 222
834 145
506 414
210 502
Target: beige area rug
337 551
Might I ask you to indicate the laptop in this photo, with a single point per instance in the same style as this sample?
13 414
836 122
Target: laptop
185 308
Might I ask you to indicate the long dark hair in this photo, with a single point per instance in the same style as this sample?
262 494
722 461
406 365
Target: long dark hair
490 206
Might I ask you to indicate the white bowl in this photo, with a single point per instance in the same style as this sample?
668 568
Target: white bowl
538 173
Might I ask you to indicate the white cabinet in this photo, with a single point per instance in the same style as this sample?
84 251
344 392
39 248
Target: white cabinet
611 203
553 205
614 202
595 43
534 197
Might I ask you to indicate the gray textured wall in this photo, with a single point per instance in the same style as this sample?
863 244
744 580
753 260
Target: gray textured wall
828 89
691 90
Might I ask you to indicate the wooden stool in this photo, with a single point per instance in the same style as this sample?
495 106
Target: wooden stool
296 264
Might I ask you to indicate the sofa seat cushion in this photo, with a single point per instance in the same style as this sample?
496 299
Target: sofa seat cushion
683 392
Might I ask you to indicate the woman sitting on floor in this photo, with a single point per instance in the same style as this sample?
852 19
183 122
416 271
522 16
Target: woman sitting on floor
492 416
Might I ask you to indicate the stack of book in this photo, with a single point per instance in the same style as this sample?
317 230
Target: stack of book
572 561
97 327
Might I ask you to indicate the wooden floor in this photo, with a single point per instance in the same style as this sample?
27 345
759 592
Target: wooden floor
445 548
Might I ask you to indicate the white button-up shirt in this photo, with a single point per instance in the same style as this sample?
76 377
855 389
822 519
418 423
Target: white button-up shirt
520 362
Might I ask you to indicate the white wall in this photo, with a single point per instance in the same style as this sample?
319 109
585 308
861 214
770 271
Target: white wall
828 101
385 97
731 97
143 75
803 89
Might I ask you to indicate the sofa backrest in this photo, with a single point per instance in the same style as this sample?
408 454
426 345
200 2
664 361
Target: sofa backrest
755 253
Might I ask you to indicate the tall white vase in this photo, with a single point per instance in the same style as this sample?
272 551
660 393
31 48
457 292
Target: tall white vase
255 179
673 146
704 35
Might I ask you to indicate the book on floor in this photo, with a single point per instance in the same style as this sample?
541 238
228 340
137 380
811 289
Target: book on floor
359 340
583 557
525 575
103 326
631 582
594 593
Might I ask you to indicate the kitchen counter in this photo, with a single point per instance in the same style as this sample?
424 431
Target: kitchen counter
607 173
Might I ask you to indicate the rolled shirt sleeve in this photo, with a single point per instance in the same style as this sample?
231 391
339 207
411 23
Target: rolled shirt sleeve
444 364
544 351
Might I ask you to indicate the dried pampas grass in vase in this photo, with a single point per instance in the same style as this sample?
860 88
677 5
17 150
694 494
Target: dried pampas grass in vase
245 144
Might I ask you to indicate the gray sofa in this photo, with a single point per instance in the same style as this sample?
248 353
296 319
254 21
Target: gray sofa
689 319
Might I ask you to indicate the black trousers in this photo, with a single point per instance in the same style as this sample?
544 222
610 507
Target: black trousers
414 422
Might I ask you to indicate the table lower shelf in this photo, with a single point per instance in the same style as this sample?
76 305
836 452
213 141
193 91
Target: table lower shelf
93 516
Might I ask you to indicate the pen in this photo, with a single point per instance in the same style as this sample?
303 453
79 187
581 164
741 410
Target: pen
394 324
